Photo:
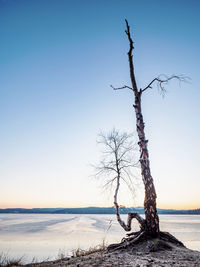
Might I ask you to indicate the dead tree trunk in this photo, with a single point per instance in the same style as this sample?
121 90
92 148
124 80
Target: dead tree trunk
151 216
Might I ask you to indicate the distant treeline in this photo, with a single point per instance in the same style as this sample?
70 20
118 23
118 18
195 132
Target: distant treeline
94 210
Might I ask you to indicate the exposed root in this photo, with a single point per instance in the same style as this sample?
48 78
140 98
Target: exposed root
165 241
165 236
126 242
133 233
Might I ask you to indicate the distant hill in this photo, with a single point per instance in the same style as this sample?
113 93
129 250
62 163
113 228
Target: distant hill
94 210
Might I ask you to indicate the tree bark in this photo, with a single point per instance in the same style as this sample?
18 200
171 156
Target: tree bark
151 216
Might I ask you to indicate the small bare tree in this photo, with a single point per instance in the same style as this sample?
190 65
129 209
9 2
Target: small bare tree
116 166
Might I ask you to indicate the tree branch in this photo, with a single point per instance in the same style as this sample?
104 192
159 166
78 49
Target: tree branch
126 166
106 185
161 82
120 88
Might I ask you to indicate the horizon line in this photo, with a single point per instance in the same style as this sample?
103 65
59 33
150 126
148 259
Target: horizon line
86 207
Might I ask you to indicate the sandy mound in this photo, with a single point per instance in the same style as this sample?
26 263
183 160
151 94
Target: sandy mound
135 256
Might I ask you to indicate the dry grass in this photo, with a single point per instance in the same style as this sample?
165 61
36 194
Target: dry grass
82 252
6 261
62 255
99 248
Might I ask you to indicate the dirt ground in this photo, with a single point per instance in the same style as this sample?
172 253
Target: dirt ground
137 256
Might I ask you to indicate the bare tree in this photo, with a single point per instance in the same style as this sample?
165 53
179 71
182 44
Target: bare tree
116 166
150 226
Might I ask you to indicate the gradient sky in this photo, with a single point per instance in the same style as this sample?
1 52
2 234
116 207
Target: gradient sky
57 61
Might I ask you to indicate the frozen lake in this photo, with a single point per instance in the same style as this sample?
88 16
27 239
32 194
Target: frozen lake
43 236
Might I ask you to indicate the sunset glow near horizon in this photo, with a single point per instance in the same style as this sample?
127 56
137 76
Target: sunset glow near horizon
58 60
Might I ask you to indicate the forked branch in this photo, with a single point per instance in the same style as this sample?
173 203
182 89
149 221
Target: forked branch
161 82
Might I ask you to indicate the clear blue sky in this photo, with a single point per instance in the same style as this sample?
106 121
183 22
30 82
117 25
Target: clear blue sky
58 59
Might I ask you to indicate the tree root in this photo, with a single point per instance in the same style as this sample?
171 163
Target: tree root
126 242
165 241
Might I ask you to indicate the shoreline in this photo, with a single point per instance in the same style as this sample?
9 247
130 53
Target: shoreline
136 256
96 210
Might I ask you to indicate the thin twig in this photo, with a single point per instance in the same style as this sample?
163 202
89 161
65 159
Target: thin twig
120 88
